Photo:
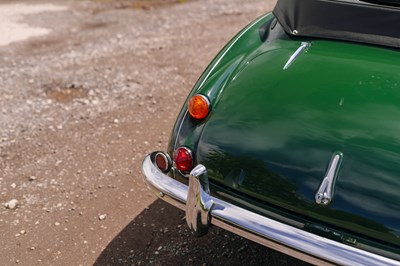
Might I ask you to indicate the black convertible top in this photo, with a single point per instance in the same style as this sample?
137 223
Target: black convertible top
348 20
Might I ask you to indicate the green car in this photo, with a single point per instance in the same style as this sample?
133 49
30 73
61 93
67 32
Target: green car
291 137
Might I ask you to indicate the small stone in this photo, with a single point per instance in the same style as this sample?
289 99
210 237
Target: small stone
13 185
102 217
23 232
56 223
31 81
32 178
11 204
116 121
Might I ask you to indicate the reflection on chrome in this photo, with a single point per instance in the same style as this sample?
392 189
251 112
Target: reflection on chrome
288 239
325 192
294 56
199 202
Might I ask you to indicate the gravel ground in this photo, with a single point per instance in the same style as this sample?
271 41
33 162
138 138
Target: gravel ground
79 109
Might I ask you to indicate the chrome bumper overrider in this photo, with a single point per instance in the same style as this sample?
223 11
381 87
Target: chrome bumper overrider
202 210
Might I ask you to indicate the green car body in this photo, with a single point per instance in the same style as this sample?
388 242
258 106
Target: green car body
281 108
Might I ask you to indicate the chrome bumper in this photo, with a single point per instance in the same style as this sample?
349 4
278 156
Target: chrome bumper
202 210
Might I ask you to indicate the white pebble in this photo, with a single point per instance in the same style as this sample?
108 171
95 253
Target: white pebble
11 204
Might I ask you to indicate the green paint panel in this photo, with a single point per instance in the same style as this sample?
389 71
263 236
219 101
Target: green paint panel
279 128
272 131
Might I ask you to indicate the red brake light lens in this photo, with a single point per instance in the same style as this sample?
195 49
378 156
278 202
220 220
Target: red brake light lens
199 106
183 159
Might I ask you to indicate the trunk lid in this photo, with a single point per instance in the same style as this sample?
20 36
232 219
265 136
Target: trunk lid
272 133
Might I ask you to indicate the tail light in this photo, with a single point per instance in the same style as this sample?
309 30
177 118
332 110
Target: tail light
163 161
199 106
183 159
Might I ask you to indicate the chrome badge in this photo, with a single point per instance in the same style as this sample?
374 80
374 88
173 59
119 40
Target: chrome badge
325 192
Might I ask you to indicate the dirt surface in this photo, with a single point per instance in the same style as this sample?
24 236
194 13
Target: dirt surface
79 109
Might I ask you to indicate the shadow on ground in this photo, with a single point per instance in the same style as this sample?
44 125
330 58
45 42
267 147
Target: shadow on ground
160 236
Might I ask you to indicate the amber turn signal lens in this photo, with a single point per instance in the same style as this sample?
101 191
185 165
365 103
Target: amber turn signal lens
183 159
199 106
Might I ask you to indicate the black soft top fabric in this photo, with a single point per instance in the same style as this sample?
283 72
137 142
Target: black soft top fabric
348 20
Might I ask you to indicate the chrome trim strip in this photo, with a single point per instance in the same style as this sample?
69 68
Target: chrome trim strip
227 49
284 238
294 56
324 194
179 129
